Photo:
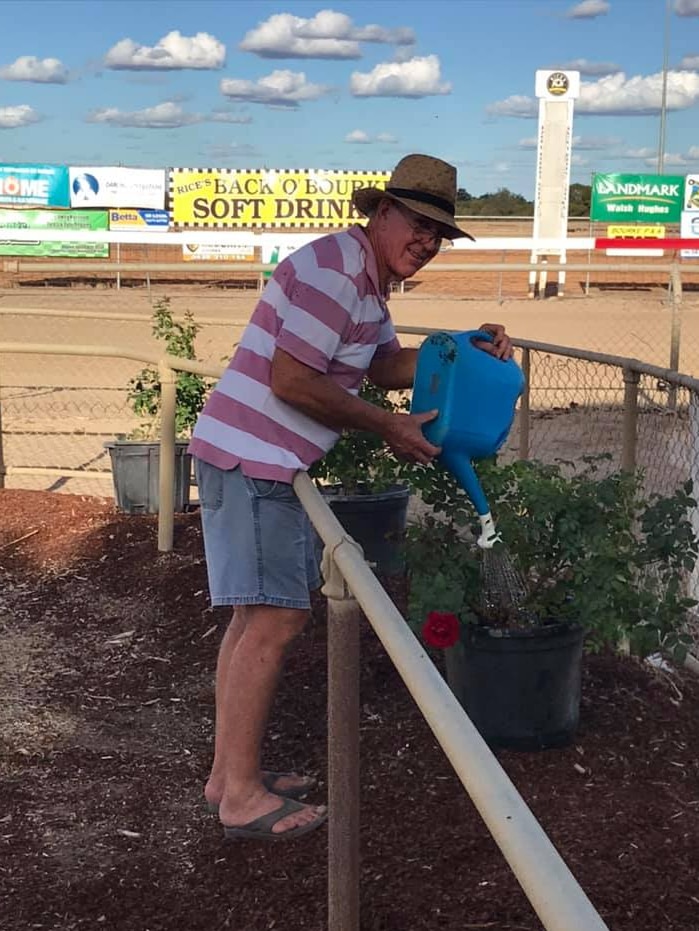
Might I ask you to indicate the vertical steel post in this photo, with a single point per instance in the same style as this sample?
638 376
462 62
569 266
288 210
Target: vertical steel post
343 752
630 421
166 476
675 330
524 409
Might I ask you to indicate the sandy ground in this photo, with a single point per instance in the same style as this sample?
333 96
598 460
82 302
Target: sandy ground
59 410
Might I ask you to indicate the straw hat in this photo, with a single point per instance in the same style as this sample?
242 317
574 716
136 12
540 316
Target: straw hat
425 185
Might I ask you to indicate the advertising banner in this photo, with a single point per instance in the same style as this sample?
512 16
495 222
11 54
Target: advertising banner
30 185
691 193
219 252
152 220
266 199
117 187
637 198
635 232
689 229
69 220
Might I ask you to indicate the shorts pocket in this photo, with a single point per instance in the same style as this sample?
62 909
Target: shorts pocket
266 488
210 484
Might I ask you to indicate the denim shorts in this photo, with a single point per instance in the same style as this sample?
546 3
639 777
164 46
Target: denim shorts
261 548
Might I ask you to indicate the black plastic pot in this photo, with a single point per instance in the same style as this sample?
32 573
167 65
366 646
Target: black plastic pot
377 522
135 472
521 688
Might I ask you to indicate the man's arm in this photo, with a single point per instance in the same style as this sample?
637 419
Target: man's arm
320 398
394 371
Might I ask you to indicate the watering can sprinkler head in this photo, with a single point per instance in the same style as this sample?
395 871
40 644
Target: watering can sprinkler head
489 535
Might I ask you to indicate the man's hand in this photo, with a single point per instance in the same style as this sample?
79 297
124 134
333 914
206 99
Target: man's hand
501 347
405 437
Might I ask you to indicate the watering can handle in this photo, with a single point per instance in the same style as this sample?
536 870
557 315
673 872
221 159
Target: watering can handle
479 334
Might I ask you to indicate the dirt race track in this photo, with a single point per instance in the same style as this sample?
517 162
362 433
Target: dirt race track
59 410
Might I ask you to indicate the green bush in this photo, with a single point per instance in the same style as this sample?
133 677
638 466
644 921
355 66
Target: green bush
145 390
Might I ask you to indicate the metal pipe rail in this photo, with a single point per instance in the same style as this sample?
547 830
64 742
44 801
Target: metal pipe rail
75 265
547 882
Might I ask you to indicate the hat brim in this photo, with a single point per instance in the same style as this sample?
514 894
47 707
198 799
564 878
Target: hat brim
365 200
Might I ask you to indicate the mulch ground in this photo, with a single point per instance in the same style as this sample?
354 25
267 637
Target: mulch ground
107 654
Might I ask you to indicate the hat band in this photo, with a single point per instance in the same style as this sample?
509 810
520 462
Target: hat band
423 197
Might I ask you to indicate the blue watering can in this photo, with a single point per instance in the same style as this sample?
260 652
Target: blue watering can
475 394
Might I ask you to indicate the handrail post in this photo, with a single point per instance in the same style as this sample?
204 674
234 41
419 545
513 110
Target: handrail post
166 475
524 408
343 750
630 420
675 329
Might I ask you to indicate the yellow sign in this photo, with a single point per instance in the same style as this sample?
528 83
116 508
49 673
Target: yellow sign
635 232
267 199
218 252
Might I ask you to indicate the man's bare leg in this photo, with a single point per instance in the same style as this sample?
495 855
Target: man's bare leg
217 777
250 663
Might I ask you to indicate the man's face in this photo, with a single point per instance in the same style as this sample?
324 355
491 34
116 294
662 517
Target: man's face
408 240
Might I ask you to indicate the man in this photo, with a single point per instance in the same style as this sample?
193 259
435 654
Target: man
321 325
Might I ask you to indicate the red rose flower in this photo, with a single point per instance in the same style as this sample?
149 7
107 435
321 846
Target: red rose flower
441 629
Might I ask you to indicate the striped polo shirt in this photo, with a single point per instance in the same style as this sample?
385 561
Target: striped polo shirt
324 307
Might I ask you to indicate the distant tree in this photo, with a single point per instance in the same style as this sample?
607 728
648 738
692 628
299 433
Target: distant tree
579 205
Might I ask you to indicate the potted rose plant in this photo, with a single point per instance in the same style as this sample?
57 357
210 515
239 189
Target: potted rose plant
600 562
135 459
365 487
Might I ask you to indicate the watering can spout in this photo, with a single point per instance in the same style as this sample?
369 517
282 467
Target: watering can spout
461 467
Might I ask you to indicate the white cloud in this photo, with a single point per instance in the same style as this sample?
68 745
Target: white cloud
687 7
328 34
590 68
278 89
13 117
588 9
516 105
167 115
644 152
580 143
37 70
501 167
693 151
359 137
173 52
579 160
616 95
690 63
225 116
418 77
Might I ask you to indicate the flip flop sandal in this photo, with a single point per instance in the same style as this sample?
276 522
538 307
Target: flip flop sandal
261 828
268 781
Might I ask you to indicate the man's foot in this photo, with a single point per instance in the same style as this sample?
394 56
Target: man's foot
268 817
289 785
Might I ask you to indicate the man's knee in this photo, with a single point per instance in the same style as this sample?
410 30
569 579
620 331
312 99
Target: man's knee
274 626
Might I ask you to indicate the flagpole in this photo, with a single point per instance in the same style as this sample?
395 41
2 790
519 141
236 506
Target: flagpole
663 101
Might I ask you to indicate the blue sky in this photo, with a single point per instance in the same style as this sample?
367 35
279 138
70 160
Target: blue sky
254 83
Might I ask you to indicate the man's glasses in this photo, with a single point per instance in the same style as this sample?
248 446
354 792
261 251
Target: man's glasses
424 231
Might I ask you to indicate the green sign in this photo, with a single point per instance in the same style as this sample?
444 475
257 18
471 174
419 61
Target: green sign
637 198
64 220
